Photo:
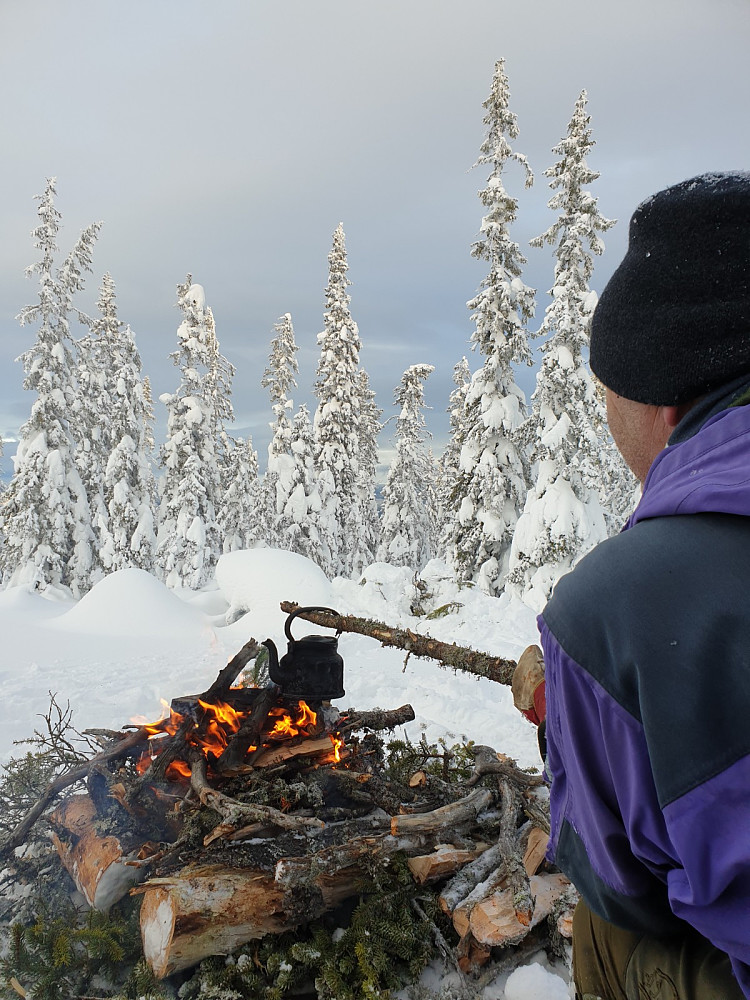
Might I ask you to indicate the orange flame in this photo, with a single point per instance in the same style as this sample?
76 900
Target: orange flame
219 723
337 745
287 726
223 722
178 770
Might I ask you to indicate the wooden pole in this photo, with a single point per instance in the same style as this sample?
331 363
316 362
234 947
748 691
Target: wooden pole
448 654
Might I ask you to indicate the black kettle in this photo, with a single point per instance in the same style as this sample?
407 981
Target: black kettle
312 668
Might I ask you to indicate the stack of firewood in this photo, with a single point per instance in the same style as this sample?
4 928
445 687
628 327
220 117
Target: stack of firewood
245 814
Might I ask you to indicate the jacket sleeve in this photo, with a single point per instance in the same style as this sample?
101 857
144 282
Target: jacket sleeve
633 851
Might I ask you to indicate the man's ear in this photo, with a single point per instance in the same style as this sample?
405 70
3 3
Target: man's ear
672 415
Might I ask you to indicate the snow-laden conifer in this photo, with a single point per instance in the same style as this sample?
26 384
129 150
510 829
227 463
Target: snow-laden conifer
241 513
302 510
407 535
126 533
278 378
619 490
91 423
369 429
218 395
491 482
188 539
45 511
337 420
448 466
562 518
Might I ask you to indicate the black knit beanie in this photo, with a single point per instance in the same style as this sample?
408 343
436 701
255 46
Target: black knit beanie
674 319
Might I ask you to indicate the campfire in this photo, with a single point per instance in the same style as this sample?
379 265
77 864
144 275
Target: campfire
285 731
252 810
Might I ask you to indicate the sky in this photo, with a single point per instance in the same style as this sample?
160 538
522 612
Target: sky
228 140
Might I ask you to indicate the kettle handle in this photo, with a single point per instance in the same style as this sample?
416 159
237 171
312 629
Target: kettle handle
299 611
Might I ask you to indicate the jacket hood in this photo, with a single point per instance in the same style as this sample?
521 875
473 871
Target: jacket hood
708 472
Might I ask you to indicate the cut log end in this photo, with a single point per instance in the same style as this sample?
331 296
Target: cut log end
209 911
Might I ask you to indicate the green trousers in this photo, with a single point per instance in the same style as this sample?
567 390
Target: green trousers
612 964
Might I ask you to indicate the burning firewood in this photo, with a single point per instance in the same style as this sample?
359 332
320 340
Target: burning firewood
250 811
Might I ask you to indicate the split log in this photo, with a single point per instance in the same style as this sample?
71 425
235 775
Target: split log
471 954
305 747
536 850
122 748
444 860
501 865
446 817
494 668
494 920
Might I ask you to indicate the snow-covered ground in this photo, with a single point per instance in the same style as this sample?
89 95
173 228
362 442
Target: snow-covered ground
130 644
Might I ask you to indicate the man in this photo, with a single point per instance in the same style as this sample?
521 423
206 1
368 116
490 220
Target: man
647 641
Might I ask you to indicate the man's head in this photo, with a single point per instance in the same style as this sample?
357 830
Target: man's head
674 320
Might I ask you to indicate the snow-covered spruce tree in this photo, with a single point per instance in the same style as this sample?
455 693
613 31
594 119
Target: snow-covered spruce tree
241 512
369 429
218 393
337 421
127 537
301 516
278 378
91 423
448 466
188 538
407 535
491 481
562 518
619 490
45 512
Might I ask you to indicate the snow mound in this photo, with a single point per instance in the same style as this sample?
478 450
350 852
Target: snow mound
254 582
532 982
131 601
22 604
384 588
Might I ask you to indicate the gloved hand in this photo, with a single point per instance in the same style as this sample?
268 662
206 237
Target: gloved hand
528 685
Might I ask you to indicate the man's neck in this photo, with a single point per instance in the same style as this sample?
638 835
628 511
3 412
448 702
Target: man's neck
712 403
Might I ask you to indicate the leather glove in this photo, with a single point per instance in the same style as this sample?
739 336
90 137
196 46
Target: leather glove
528 685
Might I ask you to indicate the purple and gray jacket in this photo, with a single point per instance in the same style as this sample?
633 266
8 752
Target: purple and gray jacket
647 652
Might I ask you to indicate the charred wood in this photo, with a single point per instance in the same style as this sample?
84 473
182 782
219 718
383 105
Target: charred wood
174 748
248 735
377 720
